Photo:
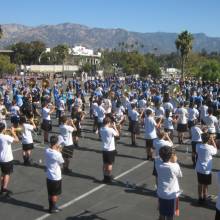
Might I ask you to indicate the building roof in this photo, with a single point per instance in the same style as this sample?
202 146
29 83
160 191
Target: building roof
6 51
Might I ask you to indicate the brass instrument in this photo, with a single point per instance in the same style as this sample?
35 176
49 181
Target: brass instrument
45 83
36 122
4 111
17 130
32 82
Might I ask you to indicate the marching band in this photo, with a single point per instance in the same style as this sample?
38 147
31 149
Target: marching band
152 108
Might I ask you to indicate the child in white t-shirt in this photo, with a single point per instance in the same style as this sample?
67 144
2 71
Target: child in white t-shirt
27 139
205 151
196 138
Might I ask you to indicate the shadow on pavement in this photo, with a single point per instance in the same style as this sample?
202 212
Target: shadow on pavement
88 215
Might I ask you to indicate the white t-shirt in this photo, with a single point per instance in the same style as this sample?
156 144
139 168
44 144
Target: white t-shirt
14 110
107 137
218 200
94 109
107 106
182 115
203 111
196 133
142 103
212 122
77 102
158 143
45 113
150 128
168 174
193 114
134 115
168 123
26 134
66 133
100 113
168 105
159 112
204 159
61 105
5 148
53 161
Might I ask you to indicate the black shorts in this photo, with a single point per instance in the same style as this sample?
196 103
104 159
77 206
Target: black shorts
26 147
217 214
108 157
15 119
46 125
54 187
167 207
204 179
190 124
149 143
194 143
182 127
67 151
134 127
6 167
78 130
96 120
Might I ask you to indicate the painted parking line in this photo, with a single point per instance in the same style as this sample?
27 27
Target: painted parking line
71 202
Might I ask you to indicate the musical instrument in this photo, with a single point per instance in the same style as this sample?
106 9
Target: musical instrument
45 83
4 111
17 130
32 82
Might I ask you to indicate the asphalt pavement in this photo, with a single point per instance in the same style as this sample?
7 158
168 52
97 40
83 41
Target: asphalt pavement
132 196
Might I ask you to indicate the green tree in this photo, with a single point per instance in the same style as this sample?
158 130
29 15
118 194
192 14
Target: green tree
5 65
210 70
27 53
60 52
184 44
36 49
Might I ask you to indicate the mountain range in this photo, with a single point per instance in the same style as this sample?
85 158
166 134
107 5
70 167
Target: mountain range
76 34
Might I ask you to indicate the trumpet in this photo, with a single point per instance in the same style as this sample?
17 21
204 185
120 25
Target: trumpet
17 130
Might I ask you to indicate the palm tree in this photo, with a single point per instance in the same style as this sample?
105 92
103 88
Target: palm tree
184 44
1 32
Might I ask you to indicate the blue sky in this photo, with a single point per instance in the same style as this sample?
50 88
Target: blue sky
135 15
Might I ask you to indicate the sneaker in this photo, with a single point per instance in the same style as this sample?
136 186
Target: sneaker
55 209
6 192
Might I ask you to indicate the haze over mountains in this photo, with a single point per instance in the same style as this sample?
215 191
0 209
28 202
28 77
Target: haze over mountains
75 34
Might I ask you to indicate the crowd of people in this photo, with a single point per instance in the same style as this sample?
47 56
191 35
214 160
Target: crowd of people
160 110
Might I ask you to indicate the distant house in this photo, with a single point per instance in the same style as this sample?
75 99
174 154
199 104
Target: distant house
6 51
80 55
172 72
